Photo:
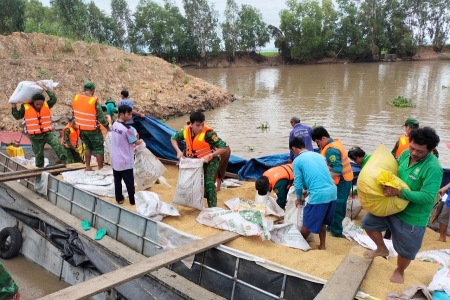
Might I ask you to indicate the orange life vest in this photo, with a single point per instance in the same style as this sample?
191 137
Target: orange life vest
197 146
403 144
347 171
73 135
280 172
84 112
102 128
37 122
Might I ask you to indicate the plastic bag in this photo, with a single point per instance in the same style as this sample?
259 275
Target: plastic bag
370 191
354 207
150 205
441 281
289 235
190 184
107 145
147 168
26 89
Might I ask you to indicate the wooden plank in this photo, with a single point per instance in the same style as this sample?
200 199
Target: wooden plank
35 169
10 176
125 274
345 281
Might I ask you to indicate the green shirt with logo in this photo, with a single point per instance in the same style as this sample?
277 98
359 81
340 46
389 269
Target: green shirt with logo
424 179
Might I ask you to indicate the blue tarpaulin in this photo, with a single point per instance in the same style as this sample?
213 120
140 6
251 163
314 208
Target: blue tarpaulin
157 135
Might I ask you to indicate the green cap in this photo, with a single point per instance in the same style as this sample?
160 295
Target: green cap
37 96
89 86
411 122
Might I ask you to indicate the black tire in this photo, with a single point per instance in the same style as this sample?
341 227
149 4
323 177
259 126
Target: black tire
10 242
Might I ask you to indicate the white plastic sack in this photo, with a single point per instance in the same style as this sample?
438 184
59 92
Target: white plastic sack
107 145
147 167
294 214
441 281
102 190
150 205
245 222
26 89
441 256
289 235
41 183
354 207
190 184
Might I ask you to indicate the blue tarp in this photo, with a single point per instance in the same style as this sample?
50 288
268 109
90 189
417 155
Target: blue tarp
157 135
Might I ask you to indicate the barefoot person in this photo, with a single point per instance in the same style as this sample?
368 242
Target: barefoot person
422 172
311 175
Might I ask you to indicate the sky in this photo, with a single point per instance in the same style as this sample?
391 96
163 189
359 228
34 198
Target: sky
269 9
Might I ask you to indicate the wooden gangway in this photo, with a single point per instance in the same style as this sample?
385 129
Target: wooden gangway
109 280
29 173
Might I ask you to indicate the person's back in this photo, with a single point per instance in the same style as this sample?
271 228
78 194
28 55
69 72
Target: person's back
315 177
301 131
122 151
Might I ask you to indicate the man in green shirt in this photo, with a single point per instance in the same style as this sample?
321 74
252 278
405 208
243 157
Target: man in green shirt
422 172
38 125
202 142
358 156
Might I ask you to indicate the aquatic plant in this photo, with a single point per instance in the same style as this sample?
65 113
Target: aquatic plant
263 126
401 101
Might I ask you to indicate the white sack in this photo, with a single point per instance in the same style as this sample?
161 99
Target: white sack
190 184
102 190
441 281
41 183
246 222
26 89
441 256
289 235
150 205
147 167
106 146
354 207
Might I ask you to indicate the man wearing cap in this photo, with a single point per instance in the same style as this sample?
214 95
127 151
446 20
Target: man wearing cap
38 125
88 114
125 101
403 141
301 131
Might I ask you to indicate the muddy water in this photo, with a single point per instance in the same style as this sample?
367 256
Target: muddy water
348 99
33 280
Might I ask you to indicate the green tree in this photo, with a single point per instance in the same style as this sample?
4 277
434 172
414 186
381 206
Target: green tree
72 14
121 15
100 27
34 16
253 32
230 30
202 22
12 16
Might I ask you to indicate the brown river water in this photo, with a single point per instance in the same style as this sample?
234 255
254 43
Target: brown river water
349 100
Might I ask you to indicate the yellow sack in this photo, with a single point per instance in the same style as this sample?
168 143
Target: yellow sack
14 151
80 150
380 170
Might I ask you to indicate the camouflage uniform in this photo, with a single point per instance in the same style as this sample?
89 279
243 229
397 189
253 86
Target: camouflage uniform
38 141
210 169
93 139
72 154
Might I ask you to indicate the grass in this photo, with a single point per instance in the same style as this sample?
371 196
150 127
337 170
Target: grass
42 73
401 101
122 68
269 53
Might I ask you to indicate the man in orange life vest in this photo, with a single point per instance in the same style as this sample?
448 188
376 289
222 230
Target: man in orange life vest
88 114
69 139
279 179
202 142
403 141
38 125
340 171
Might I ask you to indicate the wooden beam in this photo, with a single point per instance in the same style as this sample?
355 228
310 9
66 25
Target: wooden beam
345 281
109 280
10 176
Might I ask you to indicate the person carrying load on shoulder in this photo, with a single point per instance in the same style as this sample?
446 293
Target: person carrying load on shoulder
403 141
202 142
278 179
423 173
108 118
88 114
69 139
340 171
38 125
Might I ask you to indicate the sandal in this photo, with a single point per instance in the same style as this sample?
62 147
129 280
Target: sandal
86 225
100 233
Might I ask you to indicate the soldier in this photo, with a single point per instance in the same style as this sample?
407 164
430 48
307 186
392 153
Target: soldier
202 142
38 125
69 139
88 114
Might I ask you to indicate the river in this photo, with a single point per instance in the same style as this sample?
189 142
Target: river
349 100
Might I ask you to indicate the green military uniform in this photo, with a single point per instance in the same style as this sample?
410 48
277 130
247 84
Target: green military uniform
111 108
38 141
281 189
93 139
72 154
334 160
210 169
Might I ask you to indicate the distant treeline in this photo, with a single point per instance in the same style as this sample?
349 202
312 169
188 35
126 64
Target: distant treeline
309 29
